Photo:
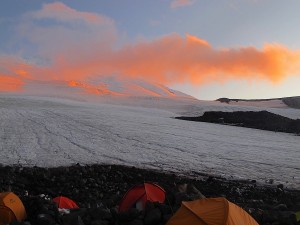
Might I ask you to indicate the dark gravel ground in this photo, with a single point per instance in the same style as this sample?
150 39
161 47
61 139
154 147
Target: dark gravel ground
98 188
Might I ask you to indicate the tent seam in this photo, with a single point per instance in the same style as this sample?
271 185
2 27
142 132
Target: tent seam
194 213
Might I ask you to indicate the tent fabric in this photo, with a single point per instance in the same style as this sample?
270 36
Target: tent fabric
139 194
211 211
65 203
11 208
6 215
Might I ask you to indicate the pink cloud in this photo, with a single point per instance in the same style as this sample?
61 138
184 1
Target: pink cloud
61 12
77 32
180 3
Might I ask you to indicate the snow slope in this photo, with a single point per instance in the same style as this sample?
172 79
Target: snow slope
95 89
47 131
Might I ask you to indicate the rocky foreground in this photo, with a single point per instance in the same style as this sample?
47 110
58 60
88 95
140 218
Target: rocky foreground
98 189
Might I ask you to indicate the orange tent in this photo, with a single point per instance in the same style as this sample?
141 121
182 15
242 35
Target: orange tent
138 195
65 203
211 211
11 208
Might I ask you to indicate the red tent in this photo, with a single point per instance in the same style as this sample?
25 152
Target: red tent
138 195
65 203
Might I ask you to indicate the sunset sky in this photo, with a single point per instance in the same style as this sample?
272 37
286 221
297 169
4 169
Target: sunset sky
205 48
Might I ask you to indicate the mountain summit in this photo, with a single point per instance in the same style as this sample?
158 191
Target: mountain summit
109 86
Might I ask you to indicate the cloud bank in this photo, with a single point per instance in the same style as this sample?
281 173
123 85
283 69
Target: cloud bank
76 45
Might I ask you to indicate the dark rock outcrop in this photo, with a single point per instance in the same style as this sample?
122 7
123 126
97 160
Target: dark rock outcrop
262 120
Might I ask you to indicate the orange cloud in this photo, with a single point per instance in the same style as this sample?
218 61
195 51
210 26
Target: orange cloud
14 66
13 71
196 40
169 60
173 59
180 3
10 84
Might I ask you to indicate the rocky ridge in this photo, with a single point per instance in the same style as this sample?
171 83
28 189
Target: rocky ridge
293 102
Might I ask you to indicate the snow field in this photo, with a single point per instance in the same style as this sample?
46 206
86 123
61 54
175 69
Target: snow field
50 132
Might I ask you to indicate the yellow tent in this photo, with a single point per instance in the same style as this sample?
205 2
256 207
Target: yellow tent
11 208
211 211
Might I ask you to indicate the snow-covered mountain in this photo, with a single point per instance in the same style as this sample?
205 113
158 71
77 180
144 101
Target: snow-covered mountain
54 124
93 89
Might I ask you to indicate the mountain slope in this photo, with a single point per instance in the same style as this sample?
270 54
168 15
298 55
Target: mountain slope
293 102
111 86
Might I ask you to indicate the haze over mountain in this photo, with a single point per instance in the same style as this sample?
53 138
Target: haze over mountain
93 89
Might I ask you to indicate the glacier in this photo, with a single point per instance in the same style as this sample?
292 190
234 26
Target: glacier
142 132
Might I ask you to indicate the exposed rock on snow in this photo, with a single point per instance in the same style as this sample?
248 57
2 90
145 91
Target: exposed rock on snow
262 120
